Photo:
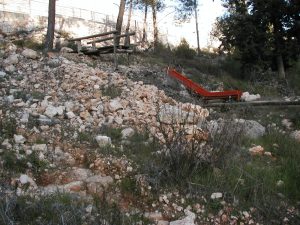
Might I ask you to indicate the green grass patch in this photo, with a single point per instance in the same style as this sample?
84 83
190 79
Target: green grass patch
12 163
112 91
8 127
29 43
63 209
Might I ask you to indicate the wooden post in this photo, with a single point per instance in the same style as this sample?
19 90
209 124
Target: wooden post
135 27
78 43
115 51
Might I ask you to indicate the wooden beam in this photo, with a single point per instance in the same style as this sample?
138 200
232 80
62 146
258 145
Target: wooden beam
93 36
111 38
124 51
255 103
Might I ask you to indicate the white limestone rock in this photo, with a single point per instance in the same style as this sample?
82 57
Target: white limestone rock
188 220
39 147
2 74
19 139
216 195
66 50
51 111
70 115
115 105
296 135
256 150
127 132
29 53
12 59
103 140
10 68
24 179
247 97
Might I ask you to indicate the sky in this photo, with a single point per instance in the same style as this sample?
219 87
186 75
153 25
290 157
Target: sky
207 13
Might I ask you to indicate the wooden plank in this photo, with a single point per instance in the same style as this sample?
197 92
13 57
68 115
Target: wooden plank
93 36
255 103
124 51
111 38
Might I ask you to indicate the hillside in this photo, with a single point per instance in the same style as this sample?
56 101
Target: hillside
84 144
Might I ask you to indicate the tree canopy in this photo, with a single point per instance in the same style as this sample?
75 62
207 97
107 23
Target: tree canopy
259 35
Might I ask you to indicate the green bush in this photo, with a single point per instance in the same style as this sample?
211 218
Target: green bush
63 209
183 50
12 163
8 127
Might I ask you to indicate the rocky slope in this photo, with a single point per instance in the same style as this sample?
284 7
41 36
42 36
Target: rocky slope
49 104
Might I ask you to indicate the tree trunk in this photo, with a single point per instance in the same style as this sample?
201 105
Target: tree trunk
51 26
127 38
145 26
278 47
280 66
197 28
120 19
155 29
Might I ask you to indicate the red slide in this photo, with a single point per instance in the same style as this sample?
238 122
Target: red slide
207 95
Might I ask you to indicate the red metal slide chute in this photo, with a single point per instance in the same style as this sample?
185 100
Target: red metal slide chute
207 95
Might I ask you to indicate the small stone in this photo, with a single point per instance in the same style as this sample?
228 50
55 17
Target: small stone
246 214
103 140
155 216
269 154
39 147
127 132
85 115
188 220
216 195
97 183
29 53
75 186
279 183
129 169
288 124
24 179
89 209
70 115
10 69
66 50
60 110
2 74
28 152
296 135
12 59
163 222
224 218
256 150
51 111
249 97
6 144
165 199
117 177
19 139
36 86
114 105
